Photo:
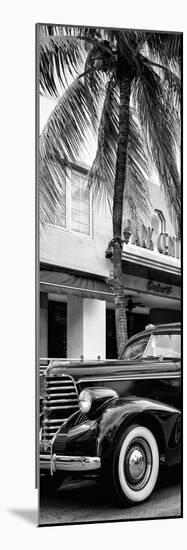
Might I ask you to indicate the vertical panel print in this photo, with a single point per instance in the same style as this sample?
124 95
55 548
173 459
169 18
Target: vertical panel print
109 275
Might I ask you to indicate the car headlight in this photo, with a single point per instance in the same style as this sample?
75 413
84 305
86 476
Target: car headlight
85 401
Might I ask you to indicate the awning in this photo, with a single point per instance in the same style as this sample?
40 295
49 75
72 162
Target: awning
67 283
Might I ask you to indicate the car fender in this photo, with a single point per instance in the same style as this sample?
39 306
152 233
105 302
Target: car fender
163 420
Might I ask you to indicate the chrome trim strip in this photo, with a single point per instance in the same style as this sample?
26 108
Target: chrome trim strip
45 408
66 361
51 427
135 377
58 395
54 421
52 377
45 462
59 389
70 463
62 382
61 400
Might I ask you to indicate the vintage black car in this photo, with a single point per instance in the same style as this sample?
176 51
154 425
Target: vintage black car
125 415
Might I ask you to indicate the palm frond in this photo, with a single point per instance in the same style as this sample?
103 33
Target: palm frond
51 176
172 86
61 58
63 52
66 130
95 83
136 192
161 125
169 81
166 47
102 172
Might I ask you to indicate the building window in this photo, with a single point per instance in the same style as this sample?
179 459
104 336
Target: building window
73 211
80 204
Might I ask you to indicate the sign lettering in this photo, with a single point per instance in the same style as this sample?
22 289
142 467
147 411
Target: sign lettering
164 243
157 287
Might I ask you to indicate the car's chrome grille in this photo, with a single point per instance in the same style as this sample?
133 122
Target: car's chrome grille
60 401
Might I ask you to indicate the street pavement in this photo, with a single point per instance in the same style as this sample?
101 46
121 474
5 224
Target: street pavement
82 501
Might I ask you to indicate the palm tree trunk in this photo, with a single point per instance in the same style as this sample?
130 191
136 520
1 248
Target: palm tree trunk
120 312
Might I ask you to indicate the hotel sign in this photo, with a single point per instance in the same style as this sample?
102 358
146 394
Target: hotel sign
150 286
162 242
158 288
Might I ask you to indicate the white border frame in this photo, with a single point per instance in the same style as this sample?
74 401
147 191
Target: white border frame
18 497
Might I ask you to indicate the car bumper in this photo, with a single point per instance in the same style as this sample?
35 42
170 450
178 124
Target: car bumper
69 463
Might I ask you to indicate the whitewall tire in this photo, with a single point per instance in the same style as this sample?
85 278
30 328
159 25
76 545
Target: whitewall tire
135 465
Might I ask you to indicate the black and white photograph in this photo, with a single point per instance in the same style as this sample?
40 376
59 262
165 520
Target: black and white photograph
109 233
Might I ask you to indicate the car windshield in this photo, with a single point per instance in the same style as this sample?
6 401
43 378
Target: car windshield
164 346
136 349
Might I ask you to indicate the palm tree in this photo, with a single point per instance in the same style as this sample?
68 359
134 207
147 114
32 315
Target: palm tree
125 86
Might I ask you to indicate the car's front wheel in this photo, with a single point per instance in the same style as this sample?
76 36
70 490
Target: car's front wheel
135 465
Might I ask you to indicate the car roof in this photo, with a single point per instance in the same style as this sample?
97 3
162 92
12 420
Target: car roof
155 328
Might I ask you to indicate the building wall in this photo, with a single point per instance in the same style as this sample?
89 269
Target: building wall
72 250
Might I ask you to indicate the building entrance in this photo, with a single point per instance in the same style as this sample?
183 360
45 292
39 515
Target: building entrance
57 329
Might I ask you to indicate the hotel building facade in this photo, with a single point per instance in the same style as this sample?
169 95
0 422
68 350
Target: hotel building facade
76 299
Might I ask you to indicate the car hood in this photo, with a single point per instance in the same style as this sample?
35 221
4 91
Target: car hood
114 367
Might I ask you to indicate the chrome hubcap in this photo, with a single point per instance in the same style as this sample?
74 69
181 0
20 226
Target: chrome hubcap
138 463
